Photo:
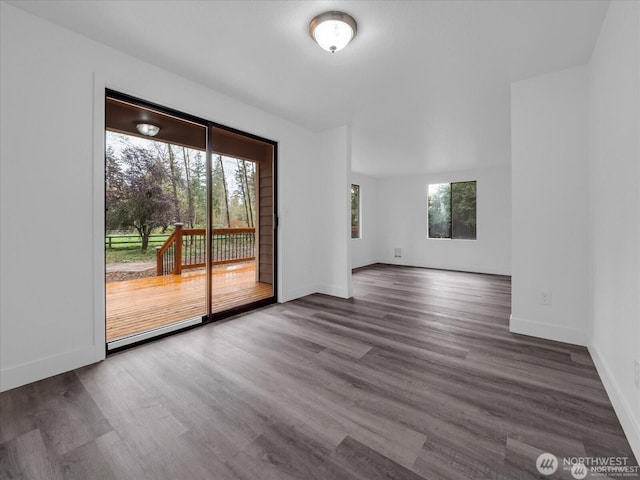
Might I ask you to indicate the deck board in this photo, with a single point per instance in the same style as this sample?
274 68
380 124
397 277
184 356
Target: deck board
134 306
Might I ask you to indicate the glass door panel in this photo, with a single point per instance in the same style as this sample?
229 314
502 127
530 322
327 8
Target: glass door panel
242 213
189 221
155 228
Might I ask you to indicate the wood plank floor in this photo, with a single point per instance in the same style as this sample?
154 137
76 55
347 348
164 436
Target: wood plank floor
134 306
416 377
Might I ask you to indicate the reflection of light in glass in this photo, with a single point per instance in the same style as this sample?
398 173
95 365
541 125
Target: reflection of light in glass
148 129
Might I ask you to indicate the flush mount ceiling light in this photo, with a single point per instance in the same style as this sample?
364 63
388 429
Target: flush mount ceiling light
333 30
148 129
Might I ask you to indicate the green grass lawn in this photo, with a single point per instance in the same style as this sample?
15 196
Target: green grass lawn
126 255
127 248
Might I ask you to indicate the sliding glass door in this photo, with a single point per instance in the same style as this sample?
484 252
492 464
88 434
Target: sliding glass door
242 209
189 230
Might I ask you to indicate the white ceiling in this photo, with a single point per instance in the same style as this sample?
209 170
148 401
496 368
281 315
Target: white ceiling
425 84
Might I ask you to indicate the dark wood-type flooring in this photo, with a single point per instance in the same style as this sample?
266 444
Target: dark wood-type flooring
416 377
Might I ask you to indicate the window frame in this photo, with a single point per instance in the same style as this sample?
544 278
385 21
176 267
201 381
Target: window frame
451 211
359 218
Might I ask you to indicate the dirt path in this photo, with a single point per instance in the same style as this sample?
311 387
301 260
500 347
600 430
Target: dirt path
116 272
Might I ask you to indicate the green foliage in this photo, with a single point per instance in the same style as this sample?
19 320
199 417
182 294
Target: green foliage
233 193
439 206
246 190
197 188
463 210
452 210
135 195
151 185
218 188
355 211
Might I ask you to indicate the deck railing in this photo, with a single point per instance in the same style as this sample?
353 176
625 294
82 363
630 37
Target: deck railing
186 248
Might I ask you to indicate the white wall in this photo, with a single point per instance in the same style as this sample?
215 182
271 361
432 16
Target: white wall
51 162
549 205
333 180
614 227
402 223
364 249
576 146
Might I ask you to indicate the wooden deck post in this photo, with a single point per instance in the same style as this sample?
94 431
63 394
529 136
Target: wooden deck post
177 268
159 266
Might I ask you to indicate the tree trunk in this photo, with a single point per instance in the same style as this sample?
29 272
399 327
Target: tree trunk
226 194
174 185
249 199
187 173
244 191
144 233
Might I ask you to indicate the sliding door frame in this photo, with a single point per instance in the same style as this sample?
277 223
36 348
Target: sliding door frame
274 194
209 125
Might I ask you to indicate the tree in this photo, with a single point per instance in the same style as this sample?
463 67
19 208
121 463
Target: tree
250 181
198 190
176 181
136 198
219 198
452 210
245 179
463 210
113 178
225 191
440 210
355 211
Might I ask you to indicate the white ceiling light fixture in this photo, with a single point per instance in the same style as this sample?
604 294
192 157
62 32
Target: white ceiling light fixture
148 129
333 30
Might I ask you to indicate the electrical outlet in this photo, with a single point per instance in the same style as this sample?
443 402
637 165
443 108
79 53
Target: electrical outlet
397 252
636 373
545 298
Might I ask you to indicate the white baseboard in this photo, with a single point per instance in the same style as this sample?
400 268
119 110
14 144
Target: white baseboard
365 264
630 423
454 268
16 376
293 293
547 331
334 291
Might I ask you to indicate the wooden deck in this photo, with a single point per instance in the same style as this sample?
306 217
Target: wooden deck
135 306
